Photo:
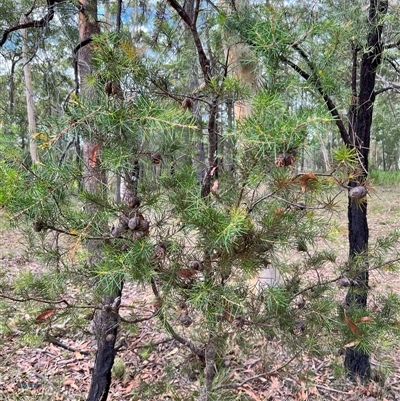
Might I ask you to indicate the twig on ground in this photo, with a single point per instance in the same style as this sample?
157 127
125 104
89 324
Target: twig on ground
60 344
331 389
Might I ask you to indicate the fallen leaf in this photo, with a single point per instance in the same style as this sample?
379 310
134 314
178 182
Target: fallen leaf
252 395
45 315
78 355
349 345
364 319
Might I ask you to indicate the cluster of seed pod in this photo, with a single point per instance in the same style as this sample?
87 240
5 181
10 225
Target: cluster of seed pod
346 282
129 219
139 225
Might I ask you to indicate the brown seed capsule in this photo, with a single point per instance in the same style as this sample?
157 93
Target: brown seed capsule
187 103
299 328
39 226
123 219
112 88
124 248
134 223
144 225
130 199
161 251
138 234
284 159
344 282
185 320
108 88
358 192
156 158
182 306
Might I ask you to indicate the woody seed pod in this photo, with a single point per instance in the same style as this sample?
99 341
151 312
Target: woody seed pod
130 199
187 103
38 226
344 282
299 327
358 192
134 223
144 225
195 265
156 158
284 159
185 320
161 251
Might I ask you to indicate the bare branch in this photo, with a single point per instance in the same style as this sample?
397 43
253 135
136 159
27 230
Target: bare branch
203 59
313 78
41 23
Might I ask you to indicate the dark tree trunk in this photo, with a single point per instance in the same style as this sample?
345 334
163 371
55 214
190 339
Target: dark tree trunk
357 362
106 327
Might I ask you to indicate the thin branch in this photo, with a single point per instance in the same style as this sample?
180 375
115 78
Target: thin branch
203 59
312 286
263 198
75 50
389 88
41 23
196 350
313 78
44 301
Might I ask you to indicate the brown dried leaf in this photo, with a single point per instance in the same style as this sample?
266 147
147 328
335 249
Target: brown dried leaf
251 394
304 179
352 326
45 315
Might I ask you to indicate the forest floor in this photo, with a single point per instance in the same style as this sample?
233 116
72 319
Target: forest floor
50 371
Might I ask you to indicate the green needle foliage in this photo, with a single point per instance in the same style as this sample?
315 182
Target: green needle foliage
201 256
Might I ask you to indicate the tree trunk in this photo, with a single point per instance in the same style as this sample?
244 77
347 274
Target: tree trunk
106 328
357 362
30 106
105 321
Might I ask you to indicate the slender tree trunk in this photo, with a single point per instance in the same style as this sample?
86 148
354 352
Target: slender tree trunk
30 106
105 321
357 362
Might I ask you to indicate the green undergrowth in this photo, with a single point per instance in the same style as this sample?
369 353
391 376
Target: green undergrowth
385 178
